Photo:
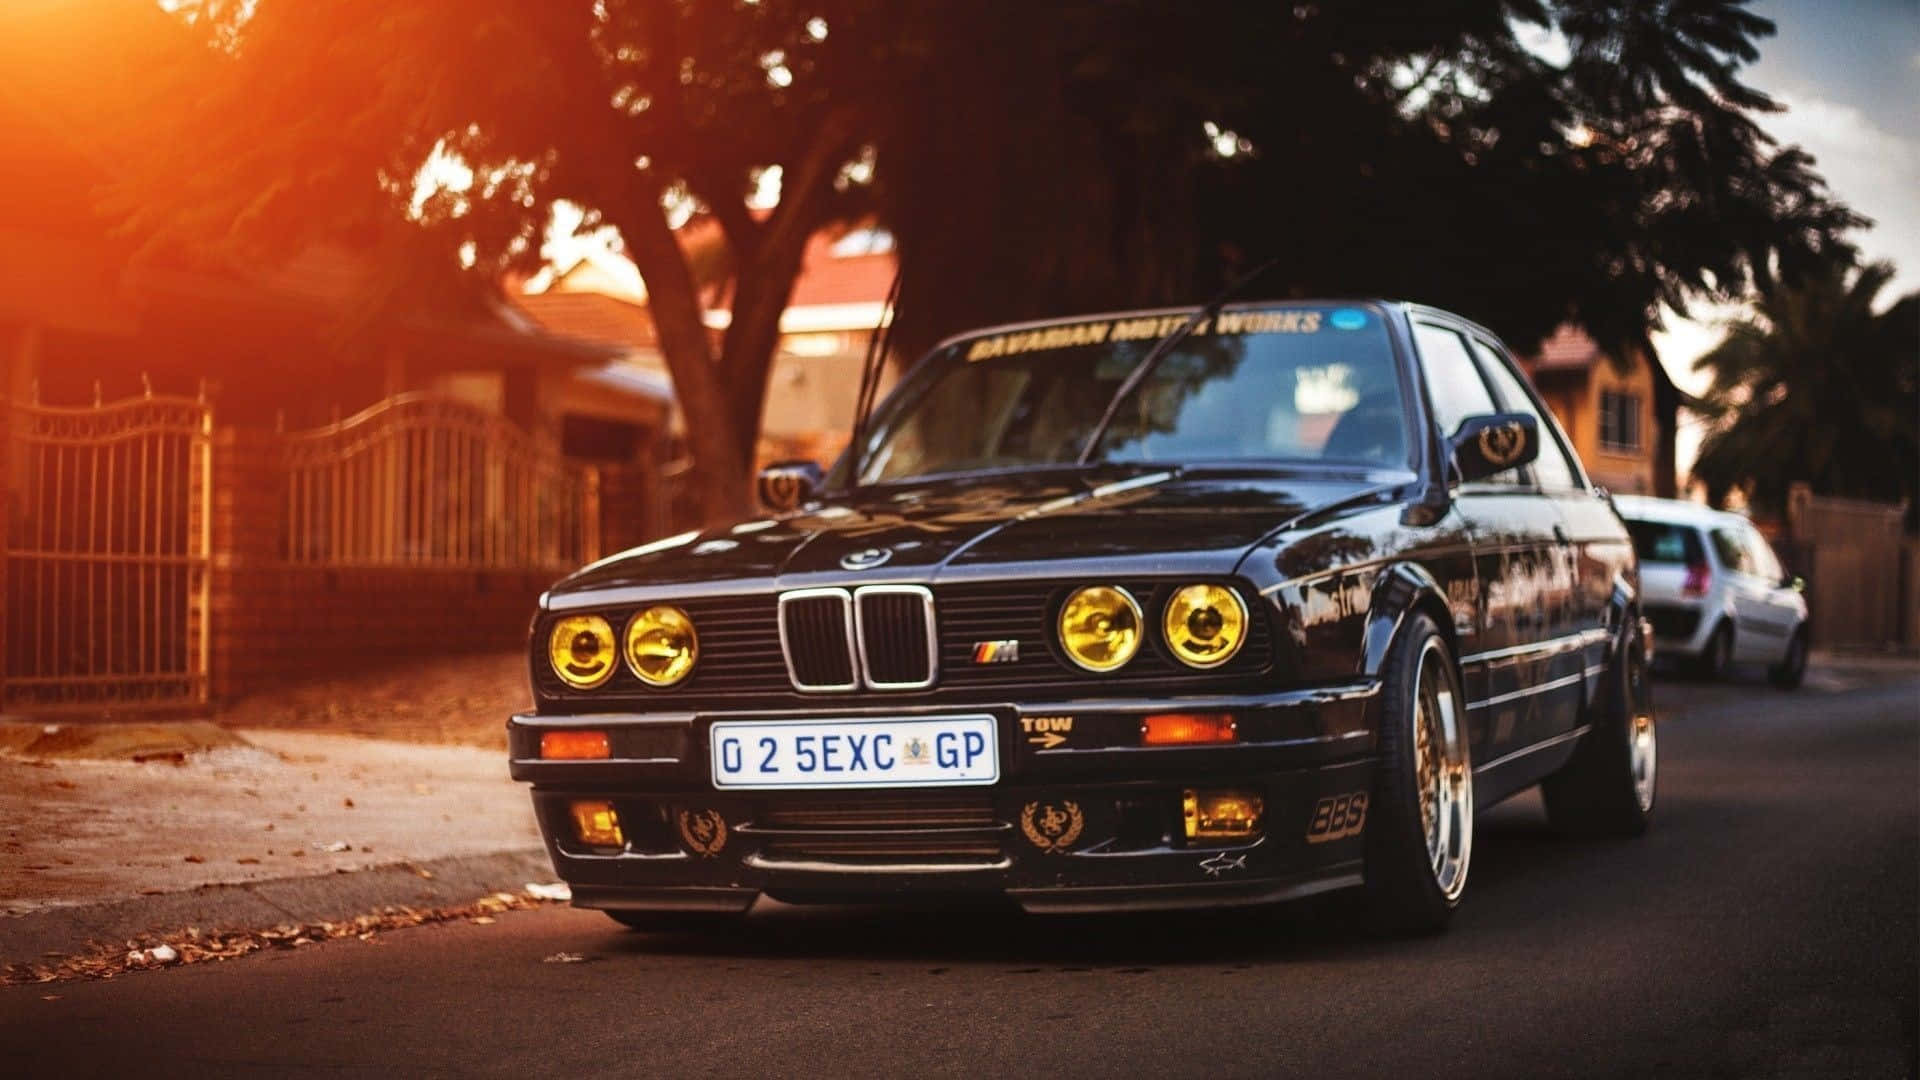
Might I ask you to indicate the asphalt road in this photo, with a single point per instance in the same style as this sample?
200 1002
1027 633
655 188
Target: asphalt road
1766 926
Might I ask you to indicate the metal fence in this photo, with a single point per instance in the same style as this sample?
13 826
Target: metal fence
106 554
418 480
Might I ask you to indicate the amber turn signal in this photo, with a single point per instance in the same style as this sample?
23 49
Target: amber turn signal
574 745
1188 729
1221 815
597 825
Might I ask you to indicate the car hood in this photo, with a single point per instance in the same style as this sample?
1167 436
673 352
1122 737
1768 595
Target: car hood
1114 522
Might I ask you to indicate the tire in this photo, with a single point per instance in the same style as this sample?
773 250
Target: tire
1419 842
1788 673
1716 660
1608 788
678 922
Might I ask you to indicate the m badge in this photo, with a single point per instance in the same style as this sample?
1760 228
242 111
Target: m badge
997 652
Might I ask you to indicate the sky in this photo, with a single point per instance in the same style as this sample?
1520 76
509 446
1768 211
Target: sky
1848 72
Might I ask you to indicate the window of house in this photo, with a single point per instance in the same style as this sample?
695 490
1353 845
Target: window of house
1619 421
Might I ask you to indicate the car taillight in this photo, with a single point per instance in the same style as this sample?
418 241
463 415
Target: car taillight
1696 582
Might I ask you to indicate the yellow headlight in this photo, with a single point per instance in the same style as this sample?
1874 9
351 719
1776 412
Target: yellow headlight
661 645
1205 625
1100 627
581 649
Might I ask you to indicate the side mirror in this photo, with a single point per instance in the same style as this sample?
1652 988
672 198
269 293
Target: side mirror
1493 443
1794 582
784 485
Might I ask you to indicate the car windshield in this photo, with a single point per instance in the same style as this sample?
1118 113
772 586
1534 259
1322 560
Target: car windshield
1291 383
1659 542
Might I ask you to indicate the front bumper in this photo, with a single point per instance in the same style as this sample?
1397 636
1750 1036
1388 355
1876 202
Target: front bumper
1086 822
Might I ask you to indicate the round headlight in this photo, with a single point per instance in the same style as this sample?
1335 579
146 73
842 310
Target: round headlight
581 649
1205 625
1100 627
661 645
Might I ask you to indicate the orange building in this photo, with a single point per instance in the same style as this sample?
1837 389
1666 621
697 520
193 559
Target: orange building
1620 412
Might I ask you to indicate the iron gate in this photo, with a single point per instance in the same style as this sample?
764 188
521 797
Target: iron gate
106 555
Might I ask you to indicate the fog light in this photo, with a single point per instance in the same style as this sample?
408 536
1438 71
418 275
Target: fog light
1187 729
1221 815
596 825
573 745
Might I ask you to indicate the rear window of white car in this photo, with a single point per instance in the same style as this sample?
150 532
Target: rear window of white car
1659 542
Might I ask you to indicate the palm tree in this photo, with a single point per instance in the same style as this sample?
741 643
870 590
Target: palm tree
1815 387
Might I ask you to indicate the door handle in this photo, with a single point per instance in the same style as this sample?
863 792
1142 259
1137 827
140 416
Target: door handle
1560 534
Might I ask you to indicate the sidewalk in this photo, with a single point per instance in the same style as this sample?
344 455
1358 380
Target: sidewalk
325 802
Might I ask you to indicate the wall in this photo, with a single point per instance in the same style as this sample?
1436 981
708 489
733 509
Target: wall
273 621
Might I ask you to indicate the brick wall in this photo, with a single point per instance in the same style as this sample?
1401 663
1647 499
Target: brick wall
273 621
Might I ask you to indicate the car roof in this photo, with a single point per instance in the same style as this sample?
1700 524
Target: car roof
1673 511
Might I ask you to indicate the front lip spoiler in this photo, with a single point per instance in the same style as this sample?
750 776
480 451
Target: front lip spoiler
1071 900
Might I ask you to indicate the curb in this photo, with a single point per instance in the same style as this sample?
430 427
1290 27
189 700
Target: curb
458 879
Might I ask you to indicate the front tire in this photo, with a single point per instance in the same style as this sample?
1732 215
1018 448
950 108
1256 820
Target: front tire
1792 668
1608 788
1420 842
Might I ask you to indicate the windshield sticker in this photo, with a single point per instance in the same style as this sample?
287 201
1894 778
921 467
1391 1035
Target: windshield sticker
1348 319
1153 326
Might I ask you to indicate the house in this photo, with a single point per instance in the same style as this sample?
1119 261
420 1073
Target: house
1620 411
218 475
837 305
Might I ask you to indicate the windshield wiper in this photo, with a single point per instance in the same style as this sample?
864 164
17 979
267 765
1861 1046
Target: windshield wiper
1159 352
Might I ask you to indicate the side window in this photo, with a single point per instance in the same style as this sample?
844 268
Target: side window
1732 551
1760 556
1553 469
1455 385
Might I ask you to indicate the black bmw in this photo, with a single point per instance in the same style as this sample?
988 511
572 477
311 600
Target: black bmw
1142 610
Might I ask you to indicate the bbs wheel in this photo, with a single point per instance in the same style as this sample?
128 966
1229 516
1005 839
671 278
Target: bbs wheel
1607 789
1420 843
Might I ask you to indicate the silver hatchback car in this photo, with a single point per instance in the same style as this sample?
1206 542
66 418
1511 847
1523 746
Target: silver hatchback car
1714 590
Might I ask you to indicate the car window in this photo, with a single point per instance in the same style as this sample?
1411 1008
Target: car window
1760 555
1732 550
1296 383
1552 469
1660 542
1455 385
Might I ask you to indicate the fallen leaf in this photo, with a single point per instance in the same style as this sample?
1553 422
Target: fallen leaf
348 803
195 859
482 920
566 958
557 890
247 860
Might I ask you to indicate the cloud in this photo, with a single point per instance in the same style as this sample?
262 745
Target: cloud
1867 167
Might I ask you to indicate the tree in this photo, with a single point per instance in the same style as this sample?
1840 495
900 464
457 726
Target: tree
1815 387
1372 147
1031 159
322 118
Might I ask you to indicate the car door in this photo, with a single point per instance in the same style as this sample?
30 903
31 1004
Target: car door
1518 562
1590 547
1778 611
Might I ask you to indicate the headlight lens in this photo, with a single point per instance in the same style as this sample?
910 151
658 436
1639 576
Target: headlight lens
1100 627
581 650
1205 625
661 645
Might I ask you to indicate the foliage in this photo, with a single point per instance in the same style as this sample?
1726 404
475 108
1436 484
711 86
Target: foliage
1031 159
1817 388
1384 148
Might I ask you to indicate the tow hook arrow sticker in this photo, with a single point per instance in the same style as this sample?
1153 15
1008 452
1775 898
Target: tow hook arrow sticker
1047 741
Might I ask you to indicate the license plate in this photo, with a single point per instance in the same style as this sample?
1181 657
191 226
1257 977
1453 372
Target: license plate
940 752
